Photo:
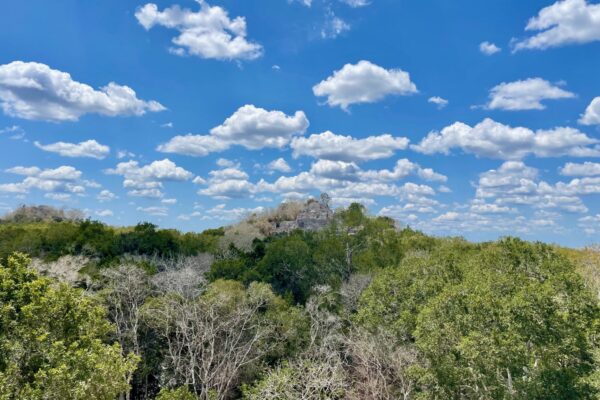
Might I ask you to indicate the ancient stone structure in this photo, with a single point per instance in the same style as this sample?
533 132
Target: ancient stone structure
315 215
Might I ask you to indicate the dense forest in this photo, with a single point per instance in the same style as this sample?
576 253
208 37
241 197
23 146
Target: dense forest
360 309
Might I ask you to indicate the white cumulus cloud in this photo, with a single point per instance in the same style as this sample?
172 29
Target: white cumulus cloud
250 126
363 82
34 91
586 169
104 213
330 146
147 180
88 148
592 113
562 23
64 179
527 94
207 33
488 48
495 140
106 195
279 165
439 101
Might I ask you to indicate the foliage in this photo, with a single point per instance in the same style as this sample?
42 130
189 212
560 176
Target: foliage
303 379
358 310
51 240
51 341
509 321
212 340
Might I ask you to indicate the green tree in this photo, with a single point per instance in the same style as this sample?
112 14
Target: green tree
517 326
397 295
288 266
51 341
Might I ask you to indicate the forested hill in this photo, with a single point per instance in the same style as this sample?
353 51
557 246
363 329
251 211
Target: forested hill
299 302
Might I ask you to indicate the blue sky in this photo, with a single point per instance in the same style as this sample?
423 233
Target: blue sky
474 118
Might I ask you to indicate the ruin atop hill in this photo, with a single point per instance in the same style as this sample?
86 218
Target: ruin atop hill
314 215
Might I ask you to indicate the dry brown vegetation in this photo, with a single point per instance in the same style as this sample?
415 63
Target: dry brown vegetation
260 225
25 214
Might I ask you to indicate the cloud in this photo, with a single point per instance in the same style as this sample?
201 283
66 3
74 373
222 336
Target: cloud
194 145
346 180
351 3
592 113
488 48
356 3
495 140
279 165
328 145
256 128
155 211
14 129
34 91
221 212
199 180
124 153
439 101
590 224
334 26
207 33
250 126
585 169
349 171
147 180
562 23
228 183
515 183
223 162
63 197
150 193
346 201
339 178
402 169
527 94
64 179
485 208
27 171
338 170
62 173
89 148
363 82
104 213
106 195
307 3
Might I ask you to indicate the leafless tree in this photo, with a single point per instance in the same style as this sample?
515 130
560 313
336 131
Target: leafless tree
185 276
352 289
125 291
380 368
303 379
200 262
325 325
212 338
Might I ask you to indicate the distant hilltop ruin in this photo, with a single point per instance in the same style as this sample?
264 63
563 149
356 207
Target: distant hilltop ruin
313 216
